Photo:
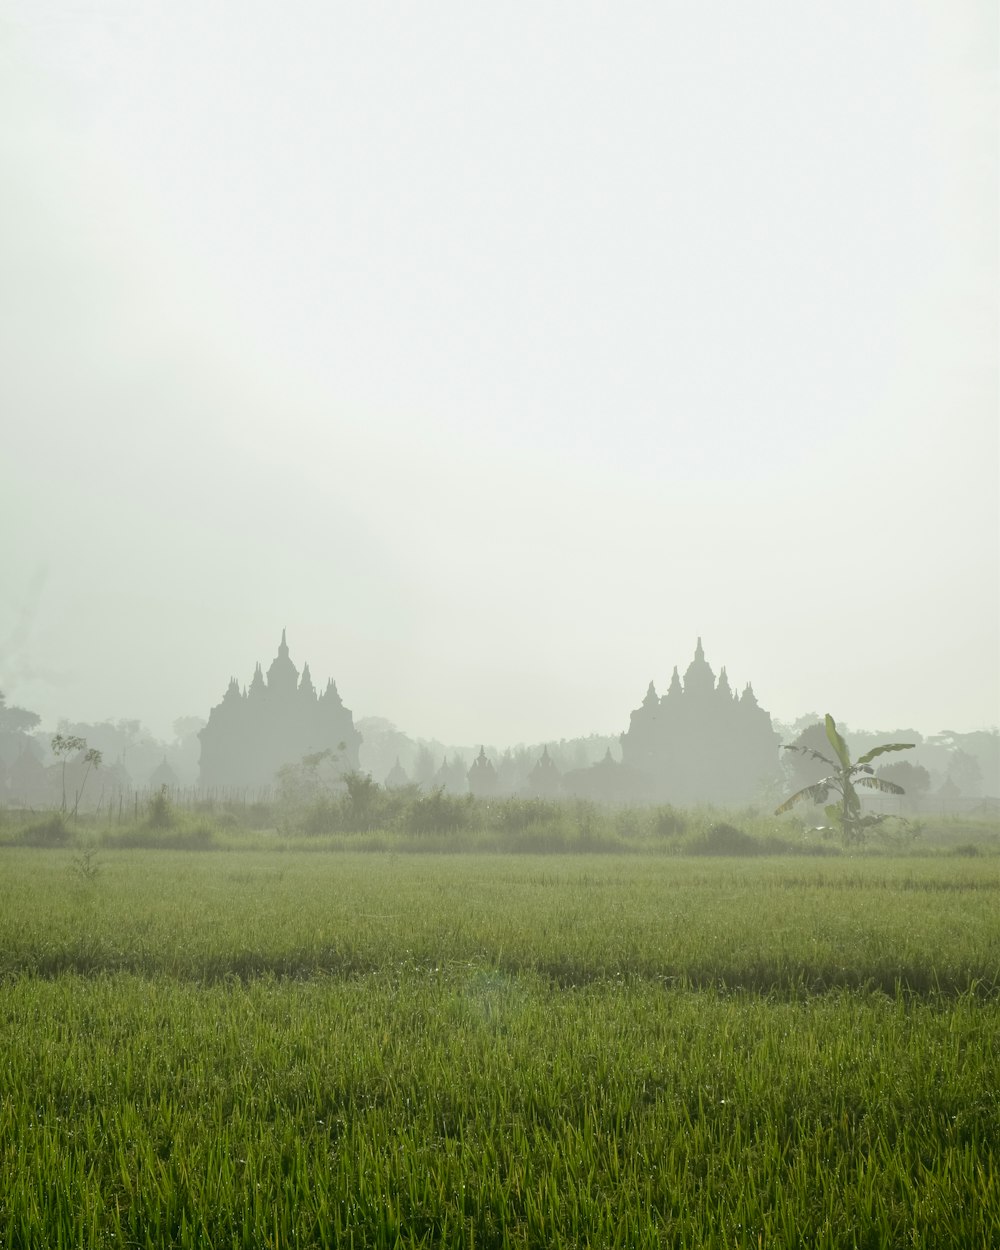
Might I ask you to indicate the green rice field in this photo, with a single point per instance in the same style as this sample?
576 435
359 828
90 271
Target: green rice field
294 1050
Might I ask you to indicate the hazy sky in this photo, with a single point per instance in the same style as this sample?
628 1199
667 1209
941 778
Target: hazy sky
498 351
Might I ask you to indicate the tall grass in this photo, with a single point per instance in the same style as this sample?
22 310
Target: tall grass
791 926
469 1107
497 1051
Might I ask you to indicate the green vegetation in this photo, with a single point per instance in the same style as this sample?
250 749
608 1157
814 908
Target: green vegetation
291 1049
364 816
65 745
844 780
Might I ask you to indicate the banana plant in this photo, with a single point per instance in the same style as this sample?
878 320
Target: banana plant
845 778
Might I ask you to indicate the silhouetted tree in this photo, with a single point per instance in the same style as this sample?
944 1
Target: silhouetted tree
983 745
16 720
965 774
92 760
16 724
424 767
914 779
63 746
804 759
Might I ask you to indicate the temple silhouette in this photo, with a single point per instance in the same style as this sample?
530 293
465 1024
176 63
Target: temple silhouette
701 742
276 721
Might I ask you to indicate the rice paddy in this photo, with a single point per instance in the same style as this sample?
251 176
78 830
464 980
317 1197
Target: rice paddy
299 1050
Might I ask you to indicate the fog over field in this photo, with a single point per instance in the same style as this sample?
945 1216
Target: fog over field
498 353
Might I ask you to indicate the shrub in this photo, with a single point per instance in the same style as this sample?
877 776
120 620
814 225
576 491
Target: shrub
362 803
438 812
723 839
260 816
49 832
322 816
669 822
198 837
161 812
86 867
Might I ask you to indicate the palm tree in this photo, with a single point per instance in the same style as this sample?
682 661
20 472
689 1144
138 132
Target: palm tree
843 781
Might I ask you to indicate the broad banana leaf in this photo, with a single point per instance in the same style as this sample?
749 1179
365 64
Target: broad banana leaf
838 743
889 746
818 793
879 783
816 755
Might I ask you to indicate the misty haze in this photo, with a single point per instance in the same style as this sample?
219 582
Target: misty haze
500 631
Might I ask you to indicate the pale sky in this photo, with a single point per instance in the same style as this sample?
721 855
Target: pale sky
499 351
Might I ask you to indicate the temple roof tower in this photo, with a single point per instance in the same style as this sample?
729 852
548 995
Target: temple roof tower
482 776
545 780
700 742
699 678
282 676
306 688
258 688
397 777
280 720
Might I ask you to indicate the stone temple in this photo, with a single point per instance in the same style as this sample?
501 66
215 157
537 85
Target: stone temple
276 721
701 742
